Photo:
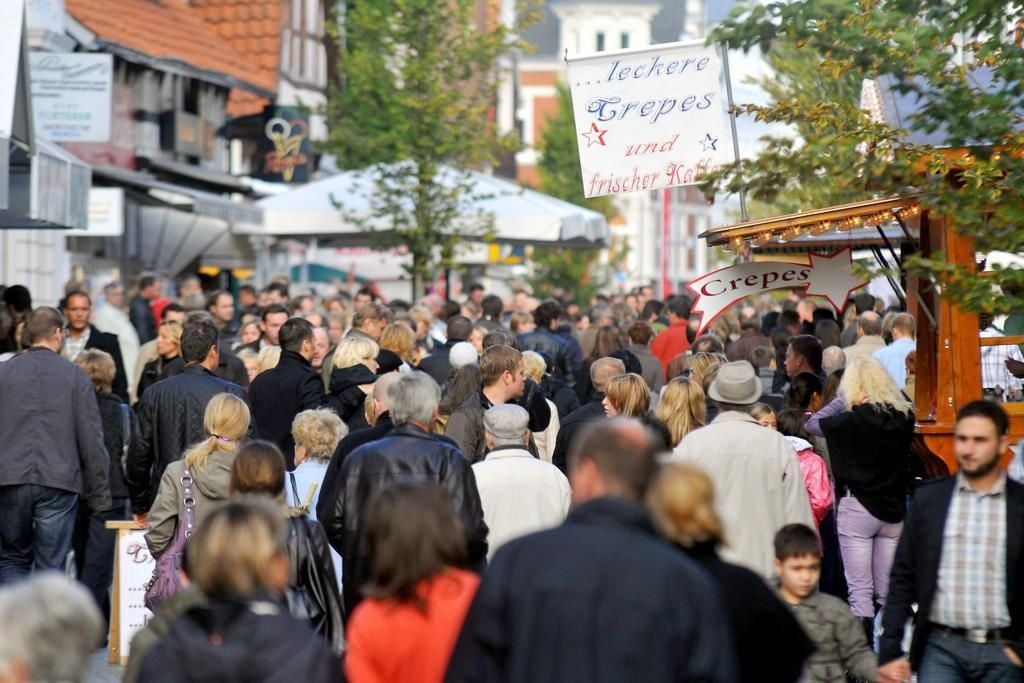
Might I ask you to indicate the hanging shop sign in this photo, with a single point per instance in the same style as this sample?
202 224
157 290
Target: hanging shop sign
285 148
648 119
827 276
72 95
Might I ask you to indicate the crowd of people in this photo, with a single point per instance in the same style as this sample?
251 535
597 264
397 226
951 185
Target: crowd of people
489 489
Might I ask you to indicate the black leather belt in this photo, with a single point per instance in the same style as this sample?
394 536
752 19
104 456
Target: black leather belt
975 635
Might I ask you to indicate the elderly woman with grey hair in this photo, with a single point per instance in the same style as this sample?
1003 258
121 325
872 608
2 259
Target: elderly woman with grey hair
48 628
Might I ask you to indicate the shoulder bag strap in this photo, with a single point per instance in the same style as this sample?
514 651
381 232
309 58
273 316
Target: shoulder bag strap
126 435
188 500
295 488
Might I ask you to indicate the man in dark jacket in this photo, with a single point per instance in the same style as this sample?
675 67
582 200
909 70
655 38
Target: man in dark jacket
601 372
959 560
81 335
554 606
52 452
283 392
139 311
171 413
501 371
410 452
437 364
544 340
381 428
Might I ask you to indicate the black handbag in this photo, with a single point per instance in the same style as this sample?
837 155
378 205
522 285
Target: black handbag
313 597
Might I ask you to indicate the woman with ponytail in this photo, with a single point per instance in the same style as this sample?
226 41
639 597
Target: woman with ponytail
226 422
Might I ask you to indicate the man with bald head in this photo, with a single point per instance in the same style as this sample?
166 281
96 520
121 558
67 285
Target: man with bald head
869 336
380 428
665 622
601 372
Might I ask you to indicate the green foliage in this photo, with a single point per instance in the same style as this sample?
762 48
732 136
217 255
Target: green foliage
576 271
419 79
944 55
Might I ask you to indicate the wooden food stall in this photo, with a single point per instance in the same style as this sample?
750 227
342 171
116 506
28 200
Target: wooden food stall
948 359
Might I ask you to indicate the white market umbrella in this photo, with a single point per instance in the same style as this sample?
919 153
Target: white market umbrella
521 215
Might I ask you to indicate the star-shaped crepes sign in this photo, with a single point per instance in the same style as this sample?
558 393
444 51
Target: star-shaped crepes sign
827 275
595 136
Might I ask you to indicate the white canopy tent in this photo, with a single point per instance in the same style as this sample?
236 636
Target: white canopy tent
521 216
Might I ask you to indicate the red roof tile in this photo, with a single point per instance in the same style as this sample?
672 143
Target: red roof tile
169 29
253 29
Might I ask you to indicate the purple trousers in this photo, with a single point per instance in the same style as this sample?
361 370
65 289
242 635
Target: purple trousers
868 546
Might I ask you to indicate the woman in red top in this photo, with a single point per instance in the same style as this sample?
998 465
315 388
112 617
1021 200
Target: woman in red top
416 600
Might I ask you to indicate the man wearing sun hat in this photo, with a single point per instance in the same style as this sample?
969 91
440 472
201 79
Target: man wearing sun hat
758 485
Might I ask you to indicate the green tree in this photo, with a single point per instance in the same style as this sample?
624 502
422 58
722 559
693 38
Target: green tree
419 79
958 61
576 271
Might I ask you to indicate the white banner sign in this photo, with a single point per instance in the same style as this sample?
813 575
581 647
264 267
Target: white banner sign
72 95
11 12
135 566
648 119
106 213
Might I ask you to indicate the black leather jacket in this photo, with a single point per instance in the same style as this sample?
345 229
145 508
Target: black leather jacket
408 453
311 578
545 341
170 420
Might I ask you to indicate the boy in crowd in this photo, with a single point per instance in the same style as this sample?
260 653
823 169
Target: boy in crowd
841 644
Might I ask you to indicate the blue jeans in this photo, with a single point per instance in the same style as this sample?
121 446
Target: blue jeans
36 524
953 659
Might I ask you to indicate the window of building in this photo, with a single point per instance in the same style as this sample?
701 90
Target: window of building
624 40
600 41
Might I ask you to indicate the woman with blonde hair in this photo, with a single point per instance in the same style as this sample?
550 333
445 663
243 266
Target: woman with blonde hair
681 408
317 434
194 485
703 369
681 501
355 371
251 361
626 396
267 359
238 559
400 340
868 427
168 361
534 368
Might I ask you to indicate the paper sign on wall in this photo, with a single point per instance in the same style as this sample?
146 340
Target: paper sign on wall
136 569
648 119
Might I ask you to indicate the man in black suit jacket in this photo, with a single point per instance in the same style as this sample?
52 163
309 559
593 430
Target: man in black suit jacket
959 559
437 364
81 335
282 392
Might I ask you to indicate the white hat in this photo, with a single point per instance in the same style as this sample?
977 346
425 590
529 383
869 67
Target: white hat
462 354
736 383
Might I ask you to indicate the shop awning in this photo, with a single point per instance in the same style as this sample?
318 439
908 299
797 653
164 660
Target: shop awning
49 188
521 215
200 202
859 225
172 239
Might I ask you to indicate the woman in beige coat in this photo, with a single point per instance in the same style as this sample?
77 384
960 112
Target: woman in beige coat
226 422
